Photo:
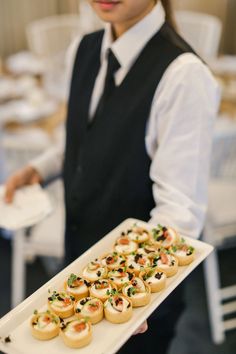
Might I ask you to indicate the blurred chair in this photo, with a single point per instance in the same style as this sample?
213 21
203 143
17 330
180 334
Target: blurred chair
22 146
52 35
220 229
201 31
49 39
44 239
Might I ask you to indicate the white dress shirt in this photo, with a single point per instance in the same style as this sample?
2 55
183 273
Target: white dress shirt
179 129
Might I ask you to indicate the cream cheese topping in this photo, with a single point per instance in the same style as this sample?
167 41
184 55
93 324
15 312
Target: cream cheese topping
138 237
82 305
129 248
77 290
111 308
117 278
94 275
101 292
181 253
171 259
43 325
131 261
152 279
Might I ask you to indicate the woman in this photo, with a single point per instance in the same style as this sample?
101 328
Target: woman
139 128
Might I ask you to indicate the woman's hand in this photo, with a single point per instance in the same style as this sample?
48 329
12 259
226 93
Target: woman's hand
143 328
27 176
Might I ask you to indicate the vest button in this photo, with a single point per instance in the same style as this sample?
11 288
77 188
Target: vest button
79 169
73 227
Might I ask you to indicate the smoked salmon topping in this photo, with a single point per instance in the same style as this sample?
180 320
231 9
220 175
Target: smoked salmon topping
123 241
184 248
47 319
164 258
110 260
141 261
79 327
66 301
93 306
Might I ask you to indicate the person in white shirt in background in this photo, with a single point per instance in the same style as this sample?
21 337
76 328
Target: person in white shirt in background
179 127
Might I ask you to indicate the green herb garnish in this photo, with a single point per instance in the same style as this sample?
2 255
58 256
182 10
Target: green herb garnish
71 279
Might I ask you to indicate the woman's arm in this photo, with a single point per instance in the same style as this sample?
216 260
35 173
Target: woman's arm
179 138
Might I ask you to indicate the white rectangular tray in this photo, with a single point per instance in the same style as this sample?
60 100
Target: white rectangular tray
16 322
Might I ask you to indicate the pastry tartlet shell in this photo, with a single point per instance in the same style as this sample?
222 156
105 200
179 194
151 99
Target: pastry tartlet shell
139 302
62 314
76 295
158 286
119 317
44 335
77 343
94 317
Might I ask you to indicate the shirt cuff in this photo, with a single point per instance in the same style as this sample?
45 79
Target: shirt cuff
48 164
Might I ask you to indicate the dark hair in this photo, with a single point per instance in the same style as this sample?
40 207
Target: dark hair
167 4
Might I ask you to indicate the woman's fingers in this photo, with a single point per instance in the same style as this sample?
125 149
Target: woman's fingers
26 176
143 328
10 188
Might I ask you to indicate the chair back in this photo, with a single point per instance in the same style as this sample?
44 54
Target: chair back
20 148
201 31
49 38
223 164
52 35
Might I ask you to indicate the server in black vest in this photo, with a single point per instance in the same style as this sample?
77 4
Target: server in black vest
139 125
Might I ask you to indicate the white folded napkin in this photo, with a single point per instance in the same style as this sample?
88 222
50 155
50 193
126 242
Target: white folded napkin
31 204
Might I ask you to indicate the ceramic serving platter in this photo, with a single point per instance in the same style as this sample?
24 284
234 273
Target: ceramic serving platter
107 337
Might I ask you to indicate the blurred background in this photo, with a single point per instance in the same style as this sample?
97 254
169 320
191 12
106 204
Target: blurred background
34 80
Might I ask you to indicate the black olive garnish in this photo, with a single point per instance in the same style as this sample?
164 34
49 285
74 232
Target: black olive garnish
130 275
63 325
137 256
161 238
158 275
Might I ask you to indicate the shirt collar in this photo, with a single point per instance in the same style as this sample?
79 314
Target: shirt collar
127 47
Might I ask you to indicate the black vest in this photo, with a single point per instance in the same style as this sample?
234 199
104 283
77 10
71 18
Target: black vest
106 170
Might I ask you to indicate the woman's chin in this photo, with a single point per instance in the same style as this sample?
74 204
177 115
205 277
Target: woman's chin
106 10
